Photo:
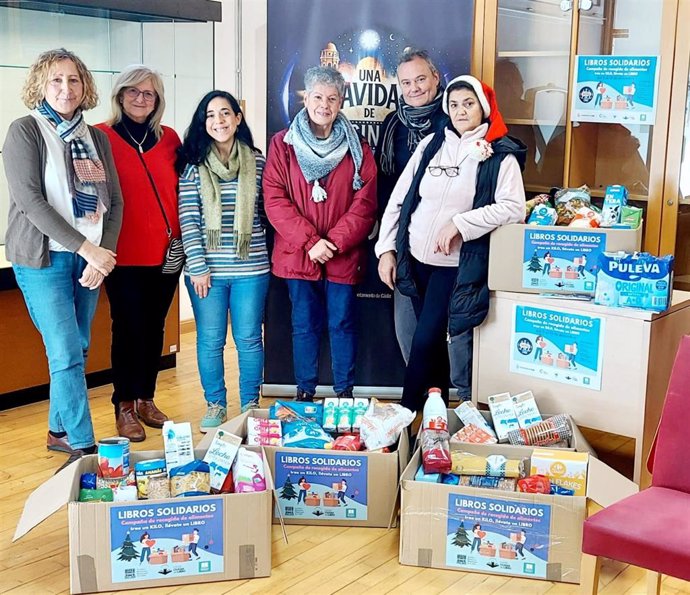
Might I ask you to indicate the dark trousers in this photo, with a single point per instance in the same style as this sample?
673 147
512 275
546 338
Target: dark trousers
140 297
429 365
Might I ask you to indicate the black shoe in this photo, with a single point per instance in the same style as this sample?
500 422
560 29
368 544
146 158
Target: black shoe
304 396
346 394
75 455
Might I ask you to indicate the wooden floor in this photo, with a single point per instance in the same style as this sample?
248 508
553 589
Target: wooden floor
317 560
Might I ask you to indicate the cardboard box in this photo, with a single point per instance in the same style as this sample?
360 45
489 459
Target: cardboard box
531 259
456 528
371 480
106 539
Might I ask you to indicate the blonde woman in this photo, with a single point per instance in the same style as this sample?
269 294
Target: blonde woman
140 293
64 218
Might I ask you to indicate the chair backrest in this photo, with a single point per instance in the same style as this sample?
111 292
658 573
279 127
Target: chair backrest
670 456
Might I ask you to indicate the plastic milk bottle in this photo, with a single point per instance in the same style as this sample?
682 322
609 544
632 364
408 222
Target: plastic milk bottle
435 416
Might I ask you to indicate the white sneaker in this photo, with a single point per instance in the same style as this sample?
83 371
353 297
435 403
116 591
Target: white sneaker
215 415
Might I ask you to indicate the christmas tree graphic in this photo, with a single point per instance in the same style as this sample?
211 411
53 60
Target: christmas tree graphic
461 538
288 490
534 265
128 552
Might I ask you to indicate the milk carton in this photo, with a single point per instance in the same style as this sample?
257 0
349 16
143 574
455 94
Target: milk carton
615 199
638 280
503 414
526 409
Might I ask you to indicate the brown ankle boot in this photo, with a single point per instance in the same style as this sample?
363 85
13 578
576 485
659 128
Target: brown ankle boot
150 414
127 423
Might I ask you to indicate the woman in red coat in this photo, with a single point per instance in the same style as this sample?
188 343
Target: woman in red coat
140 293
320 196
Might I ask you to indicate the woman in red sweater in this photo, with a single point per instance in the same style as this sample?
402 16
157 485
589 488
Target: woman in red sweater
140 293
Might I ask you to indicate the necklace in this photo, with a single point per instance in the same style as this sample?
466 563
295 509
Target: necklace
139 144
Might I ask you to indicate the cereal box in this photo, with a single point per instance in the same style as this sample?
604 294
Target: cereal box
564 468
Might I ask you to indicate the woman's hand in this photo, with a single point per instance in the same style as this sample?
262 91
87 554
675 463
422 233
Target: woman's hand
102 259
201 284
322 251
91 278
387 265
448 239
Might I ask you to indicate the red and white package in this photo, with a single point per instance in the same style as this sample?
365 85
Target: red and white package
436 452
348 442
383 422
473 434
264 432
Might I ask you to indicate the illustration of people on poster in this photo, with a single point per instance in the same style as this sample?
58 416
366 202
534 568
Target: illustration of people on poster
502 536
556 345
321 486
615 89
154 541
561 260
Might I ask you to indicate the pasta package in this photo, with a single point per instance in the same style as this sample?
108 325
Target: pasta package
464 463
192 479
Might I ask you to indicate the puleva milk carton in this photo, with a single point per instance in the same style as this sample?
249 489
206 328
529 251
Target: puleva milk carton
638 280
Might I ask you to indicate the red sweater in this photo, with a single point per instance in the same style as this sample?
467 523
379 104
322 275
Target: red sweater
143 238
345 218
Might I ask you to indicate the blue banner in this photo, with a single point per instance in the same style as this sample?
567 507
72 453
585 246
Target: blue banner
620 89
557 345
495 535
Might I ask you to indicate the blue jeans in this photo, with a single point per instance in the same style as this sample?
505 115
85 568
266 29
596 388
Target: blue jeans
313 303
62 311
245 299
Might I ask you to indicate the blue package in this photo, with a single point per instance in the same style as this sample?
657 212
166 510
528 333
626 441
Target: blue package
305 434
615 198
450 479
427 477
557 490
87 481
543 215
195 466
303 409
638 280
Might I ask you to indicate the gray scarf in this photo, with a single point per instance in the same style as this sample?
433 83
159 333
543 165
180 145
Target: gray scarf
319 157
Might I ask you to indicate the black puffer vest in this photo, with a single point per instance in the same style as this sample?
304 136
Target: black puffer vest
469 302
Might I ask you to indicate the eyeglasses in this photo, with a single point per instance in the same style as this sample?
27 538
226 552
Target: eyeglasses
450 170
133 93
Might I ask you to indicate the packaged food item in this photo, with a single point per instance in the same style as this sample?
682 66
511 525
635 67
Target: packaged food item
450 479
248 471
473 435
543 215
98 495
585 217
638 280
503 414
296 410
264 432
383 423
549 432
345 406
568 201
145 470
305 434
557 490
615 198
526 409
349 442
330 414
469 414
191 479
505 484
126 493
178 444
532 203
564 468
113 457
111 483
534 484
465 463
158 487
87 481
631 216
435 451
220 456
228 486
360 408
427 477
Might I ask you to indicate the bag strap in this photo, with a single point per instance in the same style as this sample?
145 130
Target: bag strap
168 230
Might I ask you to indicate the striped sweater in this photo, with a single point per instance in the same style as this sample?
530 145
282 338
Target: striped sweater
222 263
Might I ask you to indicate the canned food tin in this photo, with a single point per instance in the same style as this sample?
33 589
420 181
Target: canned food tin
113 457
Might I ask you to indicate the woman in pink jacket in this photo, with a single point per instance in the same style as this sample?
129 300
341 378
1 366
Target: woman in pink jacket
320 195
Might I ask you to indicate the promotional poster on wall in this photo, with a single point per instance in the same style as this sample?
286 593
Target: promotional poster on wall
168 539
561 260
321 486
557 345
502 536
615 89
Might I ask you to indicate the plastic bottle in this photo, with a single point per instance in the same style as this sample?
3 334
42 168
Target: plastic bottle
435 416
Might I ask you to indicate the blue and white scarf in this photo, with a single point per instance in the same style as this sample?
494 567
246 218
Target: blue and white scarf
85 171
318 157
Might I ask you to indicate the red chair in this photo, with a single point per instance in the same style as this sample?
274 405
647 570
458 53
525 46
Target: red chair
651 529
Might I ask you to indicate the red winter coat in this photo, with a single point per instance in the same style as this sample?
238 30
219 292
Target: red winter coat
345 218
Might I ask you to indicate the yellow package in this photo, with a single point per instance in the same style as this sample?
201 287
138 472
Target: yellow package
465 463
564 468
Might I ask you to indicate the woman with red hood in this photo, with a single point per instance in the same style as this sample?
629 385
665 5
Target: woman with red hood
459 185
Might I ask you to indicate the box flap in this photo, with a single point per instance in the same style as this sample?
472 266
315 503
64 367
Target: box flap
234 426
606 486
48 498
